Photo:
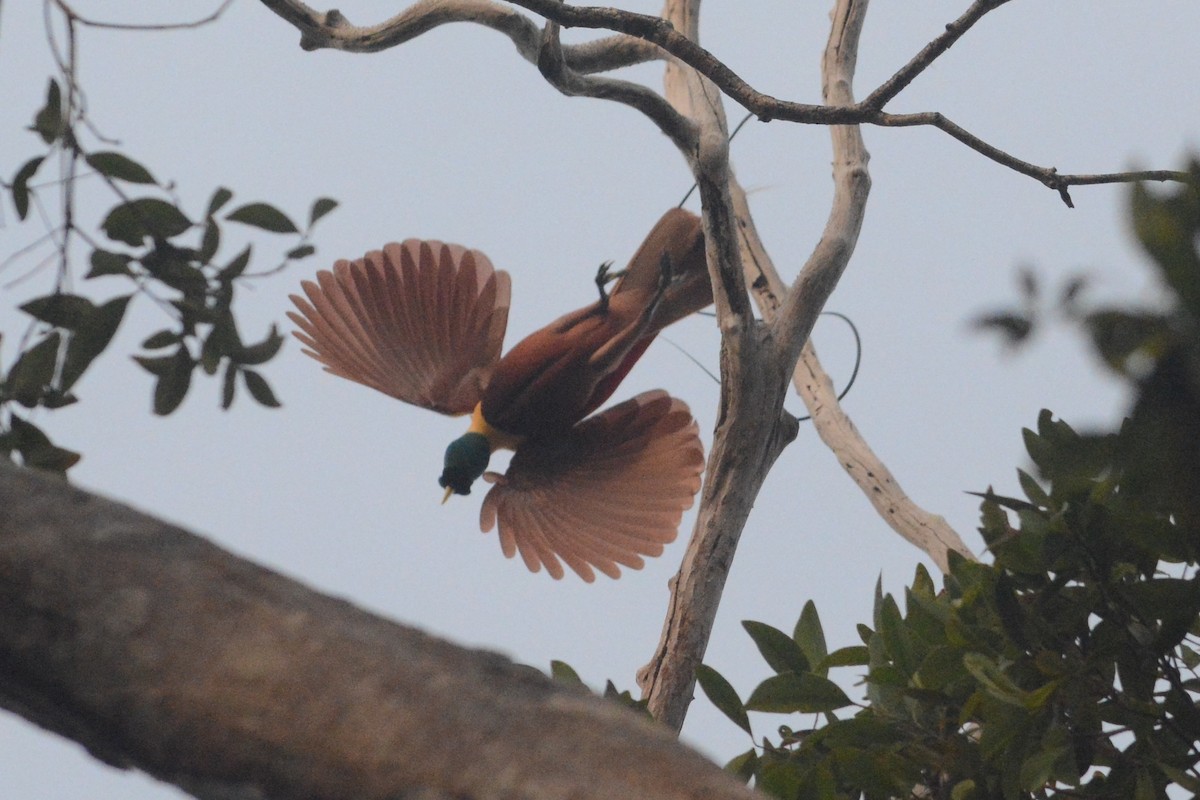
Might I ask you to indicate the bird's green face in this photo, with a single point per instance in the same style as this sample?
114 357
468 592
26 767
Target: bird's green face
466 459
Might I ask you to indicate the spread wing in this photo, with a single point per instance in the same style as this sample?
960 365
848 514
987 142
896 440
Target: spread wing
422 321
608 492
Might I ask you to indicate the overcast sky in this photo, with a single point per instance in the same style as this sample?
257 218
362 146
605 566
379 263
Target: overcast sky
454 137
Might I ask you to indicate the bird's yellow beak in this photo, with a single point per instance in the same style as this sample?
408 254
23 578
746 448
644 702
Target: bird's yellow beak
446 496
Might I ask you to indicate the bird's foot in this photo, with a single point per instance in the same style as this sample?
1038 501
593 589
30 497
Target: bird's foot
666 271
603 276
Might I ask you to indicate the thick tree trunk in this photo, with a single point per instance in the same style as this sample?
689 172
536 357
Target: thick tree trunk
157 650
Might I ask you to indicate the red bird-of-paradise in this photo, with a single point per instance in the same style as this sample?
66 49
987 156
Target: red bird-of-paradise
423 321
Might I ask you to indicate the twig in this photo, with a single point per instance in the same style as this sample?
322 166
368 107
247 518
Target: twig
921 61
128 26
1048 176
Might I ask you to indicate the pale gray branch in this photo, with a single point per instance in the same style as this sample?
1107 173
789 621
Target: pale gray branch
927 531
157 650
851 182
752 427
332 30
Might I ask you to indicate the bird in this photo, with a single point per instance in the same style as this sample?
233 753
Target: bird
423 321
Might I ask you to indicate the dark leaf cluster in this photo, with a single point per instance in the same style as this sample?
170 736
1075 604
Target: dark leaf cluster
1068 666
157 250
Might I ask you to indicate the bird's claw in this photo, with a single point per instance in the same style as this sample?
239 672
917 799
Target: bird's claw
666 271
603 276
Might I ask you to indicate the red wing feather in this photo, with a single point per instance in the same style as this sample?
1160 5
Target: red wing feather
422 321
606 493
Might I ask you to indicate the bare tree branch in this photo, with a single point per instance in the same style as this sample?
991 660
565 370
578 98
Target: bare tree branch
1046 175
332 30
554 69
929 532
852 185
157 650
752 427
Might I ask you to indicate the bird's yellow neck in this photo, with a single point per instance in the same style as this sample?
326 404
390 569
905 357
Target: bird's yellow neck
497 439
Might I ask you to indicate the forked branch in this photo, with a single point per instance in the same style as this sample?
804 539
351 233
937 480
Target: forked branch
644 37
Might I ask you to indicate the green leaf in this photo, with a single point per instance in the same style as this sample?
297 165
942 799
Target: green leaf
173 267
236 267
119 167
106 263
722 695
563 672
156 365
744 766
260 352
260 390
34 370
1049 762
895 635
922 583
53 398
36 449
1167 225
625 698
1015 328
1189 657
853 656
222 340
210 242
20 185
804 692
61 310
1033 490
174 379
963 790
780 779
132 222
1189 782
810 637
1008 609
262 215
320 208
993 679
229 385
91 339
303 251
220 197
164 338
49 123
943 666
778 649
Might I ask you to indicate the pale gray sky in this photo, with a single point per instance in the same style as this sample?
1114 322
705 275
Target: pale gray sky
453 136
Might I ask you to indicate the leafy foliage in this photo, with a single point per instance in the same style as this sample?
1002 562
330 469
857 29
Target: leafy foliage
156 250
1067 667
564 673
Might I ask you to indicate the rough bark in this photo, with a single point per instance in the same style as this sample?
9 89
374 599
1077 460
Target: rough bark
156 649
